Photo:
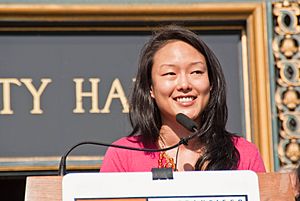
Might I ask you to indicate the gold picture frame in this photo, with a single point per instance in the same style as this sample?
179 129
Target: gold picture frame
96 17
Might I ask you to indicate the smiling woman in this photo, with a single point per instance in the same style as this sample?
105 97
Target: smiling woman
178 73
180 81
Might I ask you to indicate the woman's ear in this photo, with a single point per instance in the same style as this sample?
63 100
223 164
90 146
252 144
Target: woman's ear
151 92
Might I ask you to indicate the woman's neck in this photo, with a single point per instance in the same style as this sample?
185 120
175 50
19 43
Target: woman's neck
185 157
169 136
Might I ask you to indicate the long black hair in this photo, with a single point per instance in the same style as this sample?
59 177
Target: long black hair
219 150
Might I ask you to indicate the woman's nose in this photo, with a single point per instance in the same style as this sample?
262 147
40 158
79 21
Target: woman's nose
183 83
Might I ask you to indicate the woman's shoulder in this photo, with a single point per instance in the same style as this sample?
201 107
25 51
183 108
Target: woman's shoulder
132 141
242 143
244 146
250 158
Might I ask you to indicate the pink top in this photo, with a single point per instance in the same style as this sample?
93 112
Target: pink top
122 160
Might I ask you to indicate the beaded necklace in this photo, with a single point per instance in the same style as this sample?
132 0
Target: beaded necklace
164 160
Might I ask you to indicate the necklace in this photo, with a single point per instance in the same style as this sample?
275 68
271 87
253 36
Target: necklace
165 161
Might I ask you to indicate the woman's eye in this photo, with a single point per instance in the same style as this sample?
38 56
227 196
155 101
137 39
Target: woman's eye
197 72
169 73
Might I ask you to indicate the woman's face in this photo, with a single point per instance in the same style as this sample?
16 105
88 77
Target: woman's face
180 82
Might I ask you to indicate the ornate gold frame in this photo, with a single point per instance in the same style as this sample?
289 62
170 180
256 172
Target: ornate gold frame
286 48
254 41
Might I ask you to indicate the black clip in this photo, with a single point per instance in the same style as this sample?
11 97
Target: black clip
162 173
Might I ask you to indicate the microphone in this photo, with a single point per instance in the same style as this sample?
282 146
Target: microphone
182 119
189 124
186 122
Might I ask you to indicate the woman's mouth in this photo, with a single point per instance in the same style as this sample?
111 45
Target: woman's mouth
185 99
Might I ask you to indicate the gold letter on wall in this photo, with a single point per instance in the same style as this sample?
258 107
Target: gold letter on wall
116 87
80 94
6 94
36 94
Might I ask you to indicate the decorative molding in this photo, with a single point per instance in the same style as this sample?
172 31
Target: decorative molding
286 51
209 16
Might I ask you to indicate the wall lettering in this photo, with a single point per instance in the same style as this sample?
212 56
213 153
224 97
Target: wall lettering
116 92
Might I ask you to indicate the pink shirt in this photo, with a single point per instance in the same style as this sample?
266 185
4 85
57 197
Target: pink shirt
122 160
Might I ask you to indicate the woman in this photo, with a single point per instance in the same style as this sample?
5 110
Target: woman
178 73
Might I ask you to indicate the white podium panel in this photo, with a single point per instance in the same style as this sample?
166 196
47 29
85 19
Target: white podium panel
185 186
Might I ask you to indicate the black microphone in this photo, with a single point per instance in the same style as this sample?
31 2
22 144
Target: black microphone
186 122
182 119
189 124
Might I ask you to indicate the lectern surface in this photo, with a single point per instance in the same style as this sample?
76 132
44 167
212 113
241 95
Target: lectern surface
272 186
185 186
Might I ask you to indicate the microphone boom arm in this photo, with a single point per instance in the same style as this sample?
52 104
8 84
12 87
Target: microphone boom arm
180 118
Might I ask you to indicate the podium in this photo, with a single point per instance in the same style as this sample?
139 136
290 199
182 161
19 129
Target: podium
272 187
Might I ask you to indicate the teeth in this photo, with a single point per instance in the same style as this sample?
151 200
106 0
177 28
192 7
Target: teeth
184 99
